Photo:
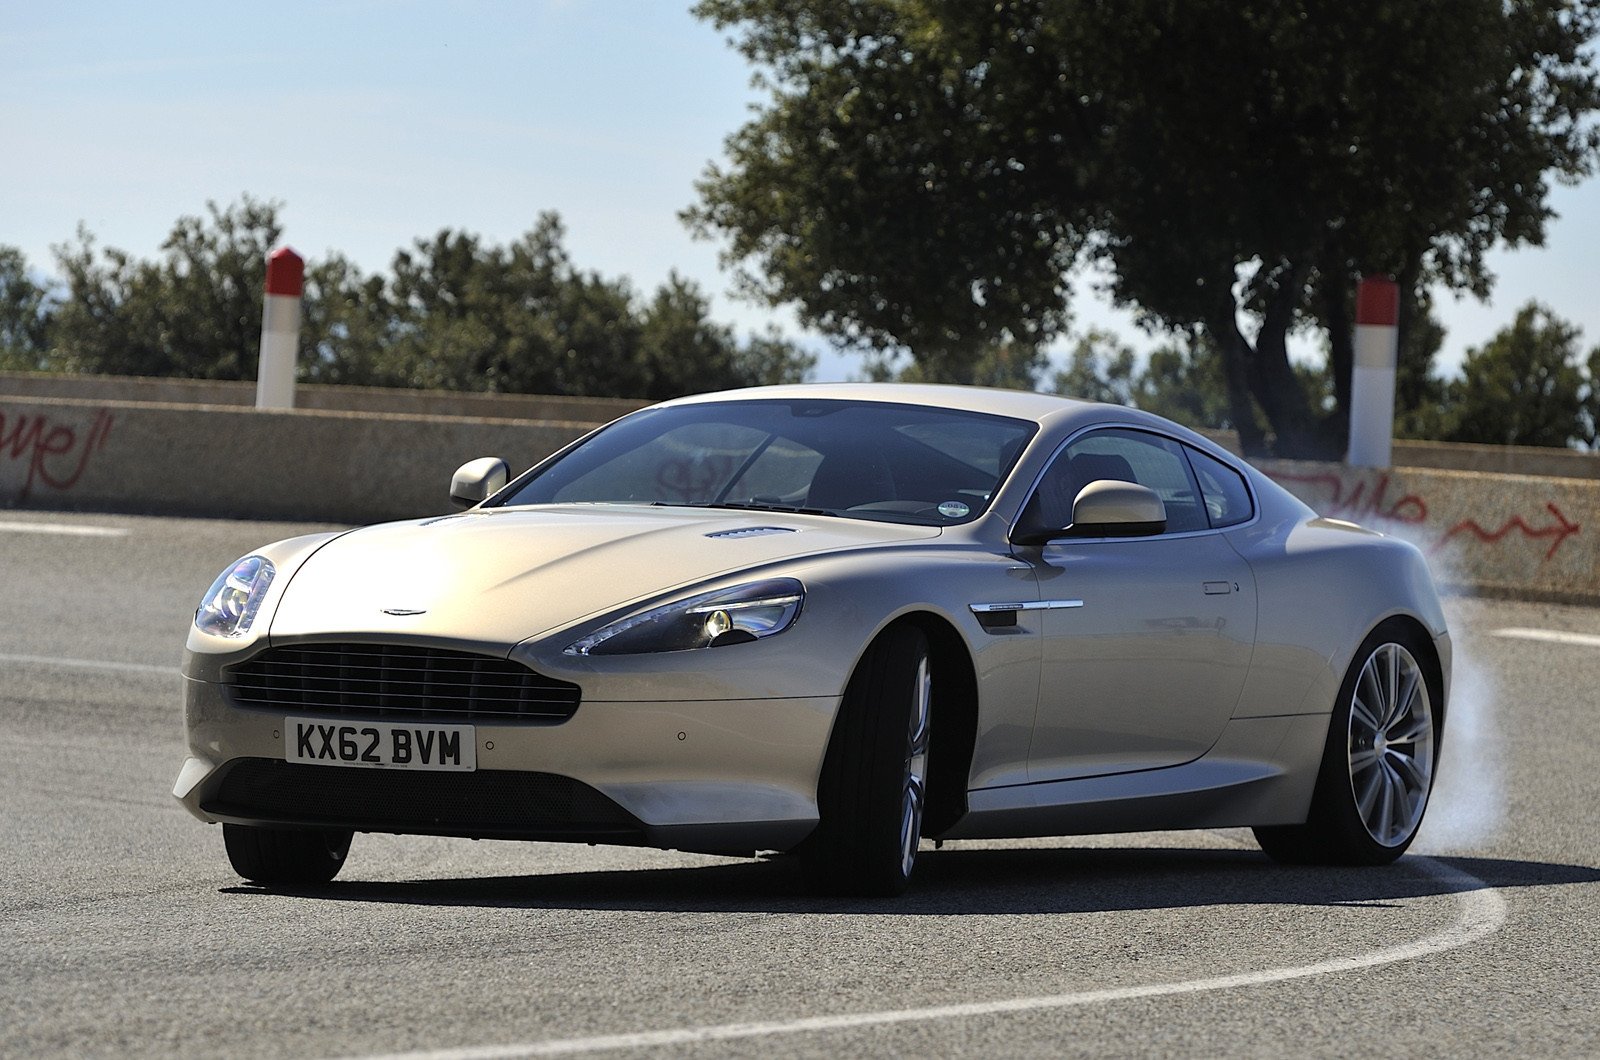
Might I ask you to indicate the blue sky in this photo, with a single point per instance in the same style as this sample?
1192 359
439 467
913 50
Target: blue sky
378 121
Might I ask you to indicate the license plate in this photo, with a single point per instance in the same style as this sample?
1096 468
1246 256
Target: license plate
380 745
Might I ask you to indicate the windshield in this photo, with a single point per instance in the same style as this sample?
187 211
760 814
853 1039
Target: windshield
861 460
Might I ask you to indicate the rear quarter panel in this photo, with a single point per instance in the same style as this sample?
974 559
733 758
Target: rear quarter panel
1322 586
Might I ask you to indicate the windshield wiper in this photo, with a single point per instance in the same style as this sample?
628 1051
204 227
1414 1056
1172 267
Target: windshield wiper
749 506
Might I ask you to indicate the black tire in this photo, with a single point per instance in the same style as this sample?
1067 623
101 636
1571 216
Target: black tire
873 787
286 855
1365 810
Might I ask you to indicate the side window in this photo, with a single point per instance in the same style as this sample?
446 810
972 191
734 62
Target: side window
1127 456
1226 496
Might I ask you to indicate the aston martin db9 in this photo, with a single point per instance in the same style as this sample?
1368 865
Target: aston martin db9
831 620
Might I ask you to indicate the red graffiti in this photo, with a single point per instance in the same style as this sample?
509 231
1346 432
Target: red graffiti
1408 509
1562 530
34 438
1411 508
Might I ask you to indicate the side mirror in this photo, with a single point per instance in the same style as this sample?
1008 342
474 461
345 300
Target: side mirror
1103 508
478 480
1106 508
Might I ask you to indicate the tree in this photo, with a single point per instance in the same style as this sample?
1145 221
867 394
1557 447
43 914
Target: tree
1099 368
1182 381
518 318
26 312
195 313
1526 386
457 313
1187 383
1419 394
462 314
925 172
346 322
681 351
877 194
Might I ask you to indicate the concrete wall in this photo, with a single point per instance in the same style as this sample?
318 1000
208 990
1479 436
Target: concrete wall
328 398
1531 536
1520 536
213 460
1459 456
1499 459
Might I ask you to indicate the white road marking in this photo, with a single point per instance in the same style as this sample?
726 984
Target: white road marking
1481 912
1554 636
89 664
69 529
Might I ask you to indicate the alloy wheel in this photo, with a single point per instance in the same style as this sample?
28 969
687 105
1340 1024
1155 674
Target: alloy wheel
1391 745
915 789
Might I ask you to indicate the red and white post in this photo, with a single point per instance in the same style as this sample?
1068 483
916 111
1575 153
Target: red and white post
280 330
1372 377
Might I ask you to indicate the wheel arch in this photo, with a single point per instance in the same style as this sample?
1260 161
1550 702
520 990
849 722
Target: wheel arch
954 721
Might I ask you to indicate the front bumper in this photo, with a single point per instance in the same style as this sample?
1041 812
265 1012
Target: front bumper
708 775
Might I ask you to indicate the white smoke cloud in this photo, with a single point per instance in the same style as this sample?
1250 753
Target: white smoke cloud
1467 808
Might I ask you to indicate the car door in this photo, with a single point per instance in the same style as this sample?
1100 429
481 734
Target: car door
1146 640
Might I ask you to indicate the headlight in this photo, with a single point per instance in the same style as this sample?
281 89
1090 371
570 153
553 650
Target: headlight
230 605
711 620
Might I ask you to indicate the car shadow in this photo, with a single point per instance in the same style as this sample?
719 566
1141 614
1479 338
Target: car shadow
964 882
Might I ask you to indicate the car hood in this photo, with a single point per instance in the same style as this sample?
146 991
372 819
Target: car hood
495 578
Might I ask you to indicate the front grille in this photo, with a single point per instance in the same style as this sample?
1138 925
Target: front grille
489 803
393 680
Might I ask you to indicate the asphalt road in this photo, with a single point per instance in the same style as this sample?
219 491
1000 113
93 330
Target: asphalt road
124 933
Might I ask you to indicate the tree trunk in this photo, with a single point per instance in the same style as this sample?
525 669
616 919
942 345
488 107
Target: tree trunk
1236 356
1335 314
1300 431
1405 321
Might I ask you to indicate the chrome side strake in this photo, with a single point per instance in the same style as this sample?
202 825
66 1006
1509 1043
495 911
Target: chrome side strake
1025 605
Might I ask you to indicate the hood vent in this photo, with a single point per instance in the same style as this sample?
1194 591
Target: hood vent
754 531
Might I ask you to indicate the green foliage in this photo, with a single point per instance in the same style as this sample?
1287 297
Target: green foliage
25 314
345 326
1099 368
1006 363
878 195
682 352
195 313
770 359
926 171
1419 395
1183 382
1186 383
456 314
1528 385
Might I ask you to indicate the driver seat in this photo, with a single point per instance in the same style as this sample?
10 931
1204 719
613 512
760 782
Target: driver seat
844 480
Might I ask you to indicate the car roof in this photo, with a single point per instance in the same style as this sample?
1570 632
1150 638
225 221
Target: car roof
1018 404
1050 410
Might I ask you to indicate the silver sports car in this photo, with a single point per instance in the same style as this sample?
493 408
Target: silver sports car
831 620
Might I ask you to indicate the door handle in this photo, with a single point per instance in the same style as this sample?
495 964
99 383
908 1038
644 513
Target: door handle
1218 588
